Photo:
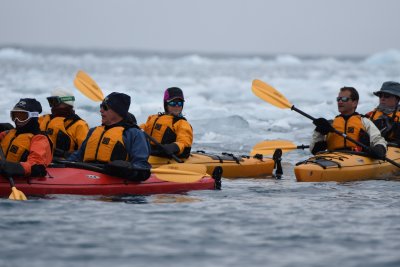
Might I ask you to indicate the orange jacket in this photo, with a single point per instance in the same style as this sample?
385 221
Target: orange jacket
39 152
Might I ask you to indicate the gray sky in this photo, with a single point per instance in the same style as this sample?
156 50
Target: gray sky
302 27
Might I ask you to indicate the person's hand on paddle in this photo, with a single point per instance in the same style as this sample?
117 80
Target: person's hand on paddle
11 168
377 152
171 149
323 126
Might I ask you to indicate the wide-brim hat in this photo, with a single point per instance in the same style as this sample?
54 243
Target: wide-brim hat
389 87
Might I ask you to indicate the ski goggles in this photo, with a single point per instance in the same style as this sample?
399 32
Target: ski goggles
22 115
343 98
175 103
57 100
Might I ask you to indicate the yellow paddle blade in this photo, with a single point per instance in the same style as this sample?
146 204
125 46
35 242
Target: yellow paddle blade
270 94
268 147
16 194
180 173
84 83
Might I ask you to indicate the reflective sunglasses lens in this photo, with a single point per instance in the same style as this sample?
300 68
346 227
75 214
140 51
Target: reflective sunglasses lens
343 98
104 106
175 103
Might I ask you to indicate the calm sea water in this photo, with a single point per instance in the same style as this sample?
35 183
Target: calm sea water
250 222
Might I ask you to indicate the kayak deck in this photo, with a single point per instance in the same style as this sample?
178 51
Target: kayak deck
232 166
346 166
87 182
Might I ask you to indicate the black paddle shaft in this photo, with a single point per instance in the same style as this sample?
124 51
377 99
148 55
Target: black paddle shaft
366 148
163 148
3 158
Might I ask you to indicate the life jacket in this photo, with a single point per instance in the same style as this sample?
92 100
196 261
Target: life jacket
388 124
57 130
164 130
352 127
16 147
105 145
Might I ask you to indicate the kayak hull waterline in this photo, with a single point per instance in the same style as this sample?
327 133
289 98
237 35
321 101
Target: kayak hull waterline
86 182
346 167
232 166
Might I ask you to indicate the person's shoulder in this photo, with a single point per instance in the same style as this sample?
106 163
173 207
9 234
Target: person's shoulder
39 138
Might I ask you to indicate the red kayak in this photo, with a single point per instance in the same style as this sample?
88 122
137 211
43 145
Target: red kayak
76 181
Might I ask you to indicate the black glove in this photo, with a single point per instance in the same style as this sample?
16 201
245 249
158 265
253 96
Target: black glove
323 126
9 168
125 170
377 152
171 148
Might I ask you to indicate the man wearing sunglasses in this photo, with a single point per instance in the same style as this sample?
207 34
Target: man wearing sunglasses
65 129
170 129
350 123
386 115
118 143
27 151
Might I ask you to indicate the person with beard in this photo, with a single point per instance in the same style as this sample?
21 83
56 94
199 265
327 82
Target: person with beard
170 129
386 115
352 125
65 129
26 150
118 142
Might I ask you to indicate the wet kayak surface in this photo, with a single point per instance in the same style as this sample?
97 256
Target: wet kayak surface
251 222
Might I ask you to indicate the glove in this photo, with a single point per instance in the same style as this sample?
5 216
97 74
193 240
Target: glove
9 168
377 152
124 169
323 126
171 148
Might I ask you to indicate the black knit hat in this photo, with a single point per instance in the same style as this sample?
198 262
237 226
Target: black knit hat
119 102
29 104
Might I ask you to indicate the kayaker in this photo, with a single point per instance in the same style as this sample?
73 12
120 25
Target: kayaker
26 150
118 143
352 124
386 115
65 129
170 128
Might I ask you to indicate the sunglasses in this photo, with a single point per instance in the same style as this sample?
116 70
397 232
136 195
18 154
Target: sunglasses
175 103
343 98
385 95
22 115
104 106
57 100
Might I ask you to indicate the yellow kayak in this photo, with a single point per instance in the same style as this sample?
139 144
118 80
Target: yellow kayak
232 166
346 166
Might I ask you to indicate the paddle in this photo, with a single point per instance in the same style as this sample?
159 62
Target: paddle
272 96
15 193
88 86
84 83
268 147
178 173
